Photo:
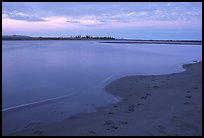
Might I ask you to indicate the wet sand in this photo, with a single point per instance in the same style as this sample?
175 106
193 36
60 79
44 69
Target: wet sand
162 105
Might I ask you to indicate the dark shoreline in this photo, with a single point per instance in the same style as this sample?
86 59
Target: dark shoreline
177 42
160 42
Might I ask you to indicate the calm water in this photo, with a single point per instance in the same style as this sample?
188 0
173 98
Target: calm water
50 80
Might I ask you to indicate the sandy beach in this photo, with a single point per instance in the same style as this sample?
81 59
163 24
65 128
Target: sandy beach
163 105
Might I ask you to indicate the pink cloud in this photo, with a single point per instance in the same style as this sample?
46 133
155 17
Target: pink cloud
12 25
157 24
60 23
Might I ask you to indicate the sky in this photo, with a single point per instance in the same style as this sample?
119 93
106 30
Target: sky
134 20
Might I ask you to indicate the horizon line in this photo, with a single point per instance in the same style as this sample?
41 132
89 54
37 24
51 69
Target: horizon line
128 38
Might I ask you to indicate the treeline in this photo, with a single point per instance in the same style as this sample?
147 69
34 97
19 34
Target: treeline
78 37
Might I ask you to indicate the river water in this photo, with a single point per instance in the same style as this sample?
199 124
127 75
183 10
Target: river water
44 81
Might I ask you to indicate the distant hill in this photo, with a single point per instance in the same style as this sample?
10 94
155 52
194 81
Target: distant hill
15 37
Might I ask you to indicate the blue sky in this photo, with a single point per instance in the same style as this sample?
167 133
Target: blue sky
138 20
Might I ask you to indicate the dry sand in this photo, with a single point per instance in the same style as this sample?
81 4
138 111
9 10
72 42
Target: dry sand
165 105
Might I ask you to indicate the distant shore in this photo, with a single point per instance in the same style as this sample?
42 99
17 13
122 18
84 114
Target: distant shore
79 37
181 42
156 105
104 40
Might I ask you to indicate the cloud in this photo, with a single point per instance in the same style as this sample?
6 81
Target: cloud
72 21
23 16
66 17
15 26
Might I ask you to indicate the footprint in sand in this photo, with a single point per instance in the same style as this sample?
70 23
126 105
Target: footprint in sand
111 125
175 119
195 87
131 84
125 99
59 112
145 97
108 122
189 97
140 104
92 132
38 132
124 122
130 88
155 87
147 86
131 108
31 125
110 113
154 79
114 127
161 128
72 117
186 103
115 106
